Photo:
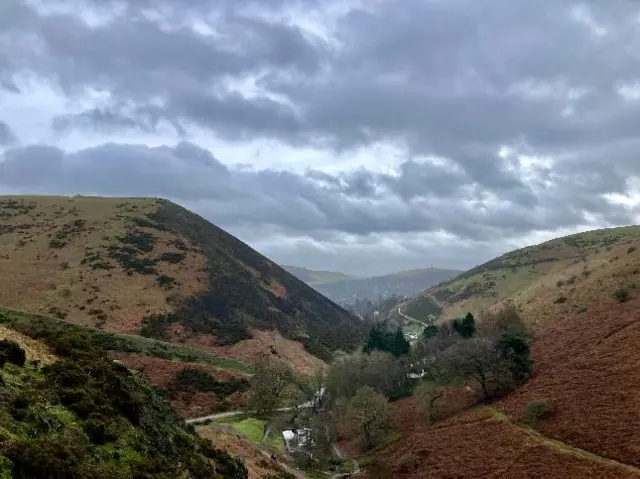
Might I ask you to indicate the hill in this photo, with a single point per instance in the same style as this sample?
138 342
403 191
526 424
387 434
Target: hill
580 294
528 276
314 278
151 268
403 283
68 411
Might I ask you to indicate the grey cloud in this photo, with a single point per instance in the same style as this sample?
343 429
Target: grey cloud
421 197
454 80
7 136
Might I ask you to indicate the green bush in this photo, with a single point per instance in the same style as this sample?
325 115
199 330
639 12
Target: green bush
537 411
621 295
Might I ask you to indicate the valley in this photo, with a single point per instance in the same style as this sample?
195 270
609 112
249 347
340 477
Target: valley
163 303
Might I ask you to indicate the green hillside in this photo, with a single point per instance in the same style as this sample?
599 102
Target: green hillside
523 274
67 411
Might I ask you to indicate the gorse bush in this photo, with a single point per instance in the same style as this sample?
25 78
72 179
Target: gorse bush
537 411
11 352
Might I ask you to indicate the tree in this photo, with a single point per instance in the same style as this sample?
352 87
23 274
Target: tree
381 338
507 319
466 327
400 344
379 370
476 359
430 331
430 395
268 385
515 350
369 415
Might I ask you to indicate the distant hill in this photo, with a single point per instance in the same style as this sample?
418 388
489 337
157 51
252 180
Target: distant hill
68 411
151 268
581 295
313 277
404 283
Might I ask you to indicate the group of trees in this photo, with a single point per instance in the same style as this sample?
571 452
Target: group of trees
495 356
382 338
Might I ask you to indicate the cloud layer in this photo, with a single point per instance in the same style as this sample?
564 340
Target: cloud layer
509 120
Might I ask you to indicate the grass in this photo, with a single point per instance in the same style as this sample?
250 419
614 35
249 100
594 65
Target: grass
556 263
253 429
120 342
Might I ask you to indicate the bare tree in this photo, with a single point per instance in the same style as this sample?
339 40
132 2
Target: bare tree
504 320
430 396
477 359
369 414
269 384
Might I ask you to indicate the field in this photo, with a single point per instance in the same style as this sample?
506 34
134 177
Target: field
253 429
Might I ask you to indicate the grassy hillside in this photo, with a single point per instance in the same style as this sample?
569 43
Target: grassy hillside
68 411
526 275
219 383
149 267
314 277
581 294
403 283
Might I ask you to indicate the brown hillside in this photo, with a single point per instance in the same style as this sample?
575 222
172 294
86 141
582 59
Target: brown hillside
583 303
149 267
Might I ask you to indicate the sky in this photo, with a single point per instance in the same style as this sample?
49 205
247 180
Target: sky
357 136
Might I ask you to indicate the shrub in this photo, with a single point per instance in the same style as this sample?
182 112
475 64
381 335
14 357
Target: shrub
11 352
560 300
537 411
621 295
631 249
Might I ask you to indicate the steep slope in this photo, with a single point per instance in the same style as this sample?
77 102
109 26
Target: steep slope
527 275
150 267
314 277
67 411
196 382
403 283
582 300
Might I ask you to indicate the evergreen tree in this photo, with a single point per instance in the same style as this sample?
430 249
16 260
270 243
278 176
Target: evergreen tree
400 344
430 331
465 327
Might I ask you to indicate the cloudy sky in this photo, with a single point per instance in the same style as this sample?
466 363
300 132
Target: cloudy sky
352 135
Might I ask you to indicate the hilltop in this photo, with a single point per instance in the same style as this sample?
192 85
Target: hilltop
314 277
151 268
580 294
68 411
403 283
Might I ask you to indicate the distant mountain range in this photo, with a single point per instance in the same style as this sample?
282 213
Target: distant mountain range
313 278
345 290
